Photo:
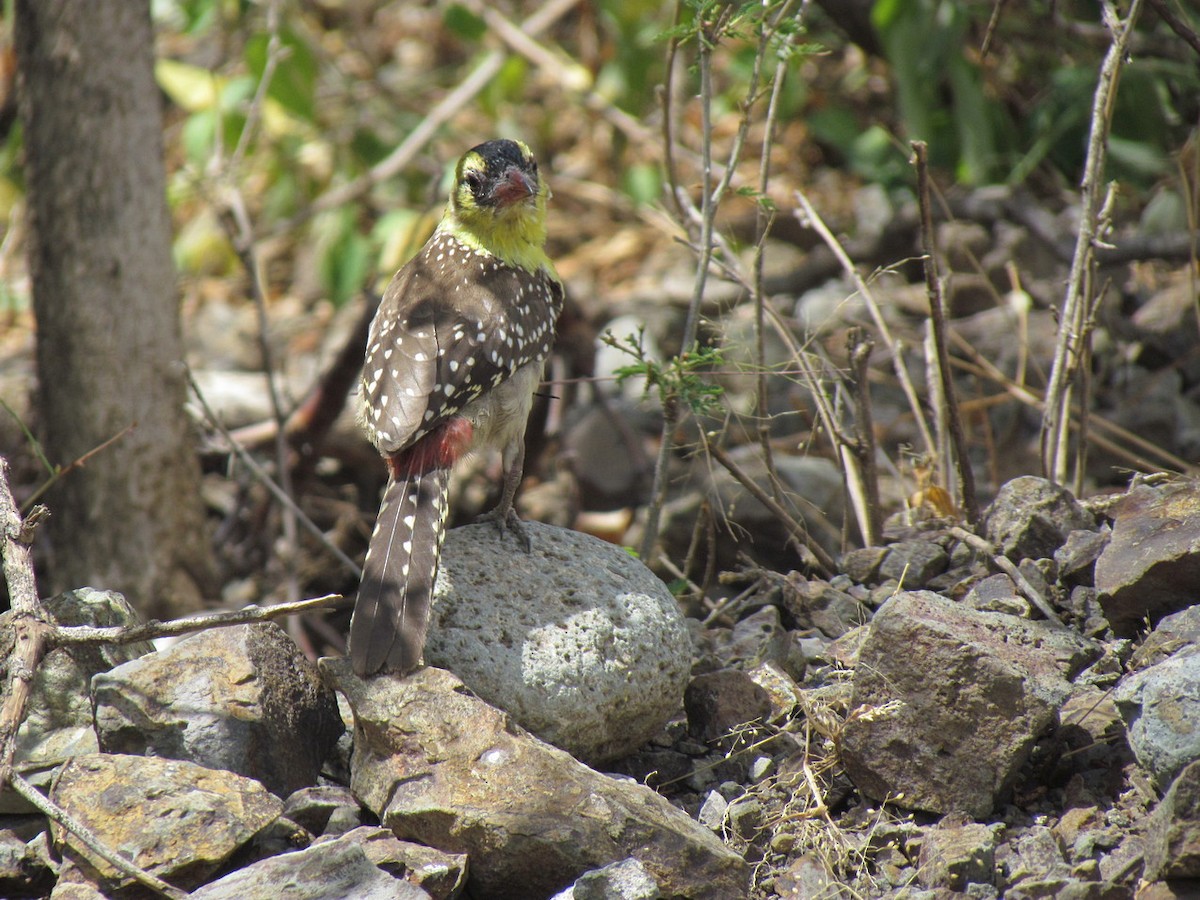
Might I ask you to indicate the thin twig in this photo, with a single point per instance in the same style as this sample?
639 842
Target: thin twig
807 215
796 531
937 320
56 813
1005 565
29 625
59 473
258 472
864 489
450 106
147 631
1075 313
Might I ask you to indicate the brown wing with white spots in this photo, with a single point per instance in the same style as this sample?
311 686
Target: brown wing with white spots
452 324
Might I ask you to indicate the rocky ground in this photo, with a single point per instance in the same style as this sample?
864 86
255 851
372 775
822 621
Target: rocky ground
1011 710
922 725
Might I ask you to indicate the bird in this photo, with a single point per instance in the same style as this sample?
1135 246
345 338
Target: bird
454 356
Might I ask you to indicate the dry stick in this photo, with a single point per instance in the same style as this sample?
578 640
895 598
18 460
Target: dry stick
797 532
450 106
1077 309
56 813
710 201
1176 24
765 216
937 318
808 216
146 631
860 346
982 366
570 76
29 624
241 235
257 471
1005 565
58 474
843 443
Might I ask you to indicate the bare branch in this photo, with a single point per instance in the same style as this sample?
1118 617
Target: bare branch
1077 308
56 813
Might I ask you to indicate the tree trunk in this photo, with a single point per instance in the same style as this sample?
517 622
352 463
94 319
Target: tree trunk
104 295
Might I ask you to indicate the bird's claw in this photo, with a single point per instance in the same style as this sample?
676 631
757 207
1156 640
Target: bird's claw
509 521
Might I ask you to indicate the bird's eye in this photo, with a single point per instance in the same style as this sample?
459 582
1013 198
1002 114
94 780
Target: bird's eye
474 180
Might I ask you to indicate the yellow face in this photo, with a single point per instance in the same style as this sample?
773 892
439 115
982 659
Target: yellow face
499 202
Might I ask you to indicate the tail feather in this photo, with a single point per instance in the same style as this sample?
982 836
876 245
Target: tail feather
391 613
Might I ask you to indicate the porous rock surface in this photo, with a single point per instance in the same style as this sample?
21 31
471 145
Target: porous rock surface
577 640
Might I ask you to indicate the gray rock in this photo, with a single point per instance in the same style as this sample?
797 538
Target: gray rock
1151 565
955 854
312 807
332 870
441 875
243 699
624 880
757 638
1172 634
862 563
712 812
442 767
1031 518
1173 840
577 640
1161 708
22 872
813 603
1076 559
1034 858
176 820
956 741
58 715
997 593
718 703
913 563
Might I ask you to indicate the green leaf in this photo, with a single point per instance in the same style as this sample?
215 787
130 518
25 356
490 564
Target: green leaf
293 83
464 23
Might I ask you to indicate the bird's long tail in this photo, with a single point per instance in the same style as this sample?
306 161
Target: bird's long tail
391 613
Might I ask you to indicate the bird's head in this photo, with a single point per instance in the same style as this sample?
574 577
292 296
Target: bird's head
498 200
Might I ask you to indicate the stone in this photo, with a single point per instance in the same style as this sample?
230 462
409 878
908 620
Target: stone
624 880
337 868
997 593
243 699
955 742
22 873
862 563
1161 709
1076 559
759 637
578 641
312 807
713 811
440 766
1172 634
176 820
58 715
1151 565
913 563
817 604
718 703
955 854
441 875
1031 518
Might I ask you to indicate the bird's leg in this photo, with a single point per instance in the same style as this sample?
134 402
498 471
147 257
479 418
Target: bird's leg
504 516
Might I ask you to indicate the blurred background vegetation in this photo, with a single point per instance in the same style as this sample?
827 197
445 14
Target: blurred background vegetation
1001 92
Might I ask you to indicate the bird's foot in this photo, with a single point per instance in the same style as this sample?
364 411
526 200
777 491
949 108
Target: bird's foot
508 520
